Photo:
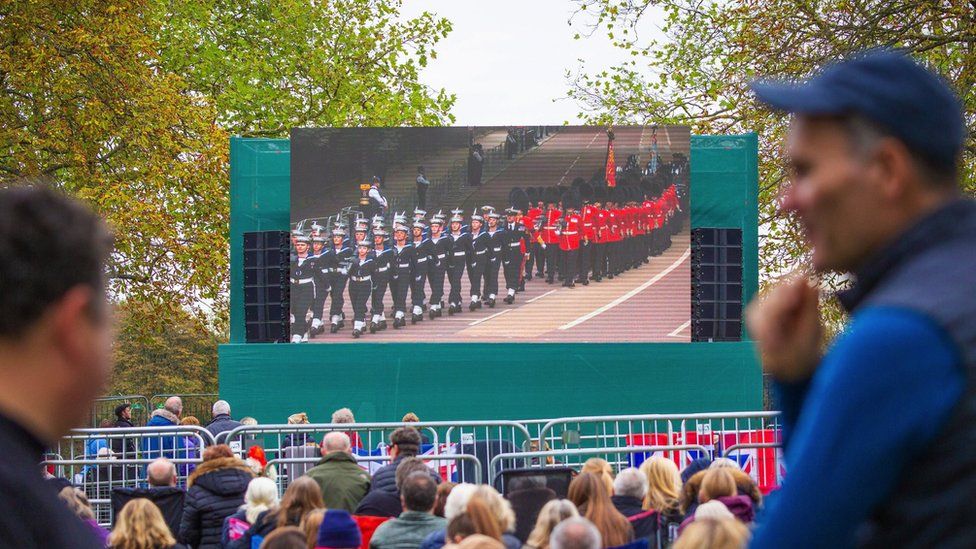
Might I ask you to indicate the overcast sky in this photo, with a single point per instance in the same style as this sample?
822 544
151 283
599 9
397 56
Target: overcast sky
506 60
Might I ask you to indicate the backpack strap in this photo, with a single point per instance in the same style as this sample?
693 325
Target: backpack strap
643 515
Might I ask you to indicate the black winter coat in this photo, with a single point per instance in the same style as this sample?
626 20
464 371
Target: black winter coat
216 489
645 522
526 504
384 479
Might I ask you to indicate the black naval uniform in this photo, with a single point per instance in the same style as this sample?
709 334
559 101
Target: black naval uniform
425 258
403 264
437 269
477 262
302 293
324 265
513 256
381 279
360 287
337 284
460 246
498 241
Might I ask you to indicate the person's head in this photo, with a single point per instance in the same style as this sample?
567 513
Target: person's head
379 240
405 441
479 541
363 248
713 509
717 483
55 321
310 525
477 518
400 234
140 524
589 493
724 462
410 417
161 472
630 482
301 246
418 492
217 451
343 415
338 239
221 408
338 531
261 495
527 482
551 514
689 491
300 418
476 225
709 533
699 464
124 411
105 424
302 496
287 537
874 144
336 441
744 485
575 533
174 405
190 420
407 467
443 491
455 226
77 501
663 483
248 420
318 243
457 499
601 467
417 232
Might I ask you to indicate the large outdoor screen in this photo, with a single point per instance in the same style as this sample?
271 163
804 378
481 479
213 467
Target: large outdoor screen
490 234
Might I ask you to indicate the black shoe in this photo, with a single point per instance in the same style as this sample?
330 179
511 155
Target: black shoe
372 327
491 303
521 287
571 285
334 328
585 282
549 281
383 324
342 324
540 275
440 312
610 276
356 333
450 311
432 313
473 306
413 318
528 277
509 299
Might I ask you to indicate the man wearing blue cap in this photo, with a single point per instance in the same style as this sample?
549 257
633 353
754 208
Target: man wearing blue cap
880 432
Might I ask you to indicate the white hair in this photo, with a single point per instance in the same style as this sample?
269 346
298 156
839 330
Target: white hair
575 533
725 462
336 441
174 405
221 407
343 415
457 500
630 482
261 495
713 509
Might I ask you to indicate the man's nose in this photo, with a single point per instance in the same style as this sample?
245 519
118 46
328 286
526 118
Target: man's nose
787 198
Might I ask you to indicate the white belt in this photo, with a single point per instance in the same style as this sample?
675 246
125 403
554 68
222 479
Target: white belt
458 254
402 265
382 269
569 232
498 249
514 244
441 256
481 252
549 228
359 278
421 260
329 270
302 280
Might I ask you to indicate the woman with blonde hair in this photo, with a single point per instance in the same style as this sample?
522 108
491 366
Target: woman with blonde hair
302 496
261 496
140 525
77 501
601 467
709 533
310 525
719 485
689 493
551 514
457 504
589 493
477 518
663 488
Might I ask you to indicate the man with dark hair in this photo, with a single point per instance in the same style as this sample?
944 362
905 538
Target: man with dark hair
162 491
386 503
404 442
124 448
881 425
418 492
527 494
55 352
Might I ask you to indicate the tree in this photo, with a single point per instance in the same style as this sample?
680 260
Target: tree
698 73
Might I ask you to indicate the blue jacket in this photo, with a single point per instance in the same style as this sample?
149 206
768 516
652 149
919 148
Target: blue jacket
167 446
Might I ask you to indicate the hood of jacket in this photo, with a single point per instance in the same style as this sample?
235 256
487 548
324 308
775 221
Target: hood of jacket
162 416
222 476
740 506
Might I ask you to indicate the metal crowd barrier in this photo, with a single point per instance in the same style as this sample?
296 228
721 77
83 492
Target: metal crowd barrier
104 408
199 405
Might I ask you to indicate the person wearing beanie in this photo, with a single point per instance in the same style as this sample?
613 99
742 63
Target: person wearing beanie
124 447
338 531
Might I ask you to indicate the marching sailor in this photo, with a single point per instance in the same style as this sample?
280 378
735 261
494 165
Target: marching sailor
381 278
404 257
360 285
437 269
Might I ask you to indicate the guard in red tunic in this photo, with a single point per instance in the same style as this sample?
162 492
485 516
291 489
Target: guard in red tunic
569 237
588 236
550 236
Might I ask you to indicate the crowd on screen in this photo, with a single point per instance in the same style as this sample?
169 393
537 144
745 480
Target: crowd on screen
231 499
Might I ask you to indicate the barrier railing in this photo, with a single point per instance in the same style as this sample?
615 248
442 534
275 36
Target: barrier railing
199 405
104 408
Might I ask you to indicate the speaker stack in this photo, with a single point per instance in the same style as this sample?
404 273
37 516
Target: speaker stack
266 286
716 284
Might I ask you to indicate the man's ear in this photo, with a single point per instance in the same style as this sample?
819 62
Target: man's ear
895 169
70 321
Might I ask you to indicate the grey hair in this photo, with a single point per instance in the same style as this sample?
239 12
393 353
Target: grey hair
630 482
221 407
174 405
336 441
343 415
575 533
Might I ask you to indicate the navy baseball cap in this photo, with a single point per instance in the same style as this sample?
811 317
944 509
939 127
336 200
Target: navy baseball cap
888 88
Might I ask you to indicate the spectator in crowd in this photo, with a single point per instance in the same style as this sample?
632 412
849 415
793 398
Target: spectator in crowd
550 516
95 448
479 541
214 492
76 500
297 439
724 462
689 494
477 519
713 509
221 422
162 491
302 496
601 468
190 446
663 489
165 446
287 537
404 443
190 420
457 503
719 485
248 421
261 496
344 415
422 185
342 481
589 493
258 462
884 421
699 464
383 503
124 448
443 491
576 533
140 525
310 525
528 494
745 486
711 533
55 349
411 417
418 494
629 491
338 531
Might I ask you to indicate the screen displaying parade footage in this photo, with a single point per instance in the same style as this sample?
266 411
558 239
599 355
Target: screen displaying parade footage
490 234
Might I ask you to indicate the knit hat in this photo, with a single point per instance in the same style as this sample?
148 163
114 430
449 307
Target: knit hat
338 531
121 408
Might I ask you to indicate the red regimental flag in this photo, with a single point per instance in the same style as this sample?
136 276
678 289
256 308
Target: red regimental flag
611 166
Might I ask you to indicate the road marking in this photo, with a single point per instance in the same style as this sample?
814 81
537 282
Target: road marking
629 294
540 296
570 168
679 329
476 322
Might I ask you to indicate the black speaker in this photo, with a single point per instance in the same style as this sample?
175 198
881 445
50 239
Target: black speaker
266 289
716 284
